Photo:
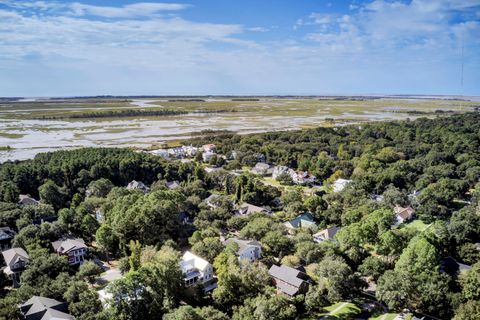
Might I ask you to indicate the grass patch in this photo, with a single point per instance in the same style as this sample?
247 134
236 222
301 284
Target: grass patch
11 135
340 310
418 225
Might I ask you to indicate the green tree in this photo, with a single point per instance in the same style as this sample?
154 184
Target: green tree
89 270
83 302
100 188
468 311
51 193
471 283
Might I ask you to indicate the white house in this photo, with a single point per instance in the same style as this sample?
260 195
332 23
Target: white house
263 169
209 148
160 153
340 184
207 155
325 234
138 185
197 271
278 170
301 177
403 214
247 249
190 150
74 248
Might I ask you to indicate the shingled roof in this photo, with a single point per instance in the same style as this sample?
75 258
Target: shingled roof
291 280
41 308
66 245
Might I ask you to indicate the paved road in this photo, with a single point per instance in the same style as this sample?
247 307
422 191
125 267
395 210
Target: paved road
111 273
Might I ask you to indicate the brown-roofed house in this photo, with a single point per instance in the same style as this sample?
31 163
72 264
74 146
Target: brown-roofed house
403 214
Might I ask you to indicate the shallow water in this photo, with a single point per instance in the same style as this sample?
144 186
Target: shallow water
29 137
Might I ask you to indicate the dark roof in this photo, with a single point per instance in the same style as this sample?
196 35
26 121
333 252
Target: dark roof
41 308
6 233
451 266
291 276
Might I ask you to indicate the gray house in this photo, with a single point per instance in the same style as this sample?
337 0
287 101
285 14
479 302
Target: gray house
74 249
289 281
41 308
16 260
6 237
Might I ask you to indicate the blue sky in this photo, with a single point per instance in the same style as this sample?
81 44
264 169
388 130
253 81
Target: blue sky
87 47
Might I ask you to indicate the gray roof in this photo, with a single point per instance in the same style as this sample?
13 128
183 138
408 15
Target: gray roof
11 256
41 308
287 274
137 185
247 208
27 200
6 233
327 234
172 184
243 244
68 244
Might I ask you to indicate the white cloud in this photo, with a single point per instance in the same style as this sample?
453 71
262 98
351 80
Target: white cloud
139 49
128 11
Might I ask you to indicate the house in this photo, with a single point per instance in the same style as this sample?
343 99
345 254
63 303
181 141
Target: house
451 266
247 249
246 209
303 221
99 215
289 281
232 155
212 200
325 234
209 148
403 214
211 169
185 218
302 177
172 185
138 185
279 170
16 260
26 200
176 152
190 150
340 184
74 248
207 155
107 298
263 169
38 221
41 308
197 271
160 153
6 237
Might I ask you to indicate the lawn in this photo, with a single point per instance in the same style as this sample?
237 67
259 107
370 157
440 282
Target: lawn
418 225
340 310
